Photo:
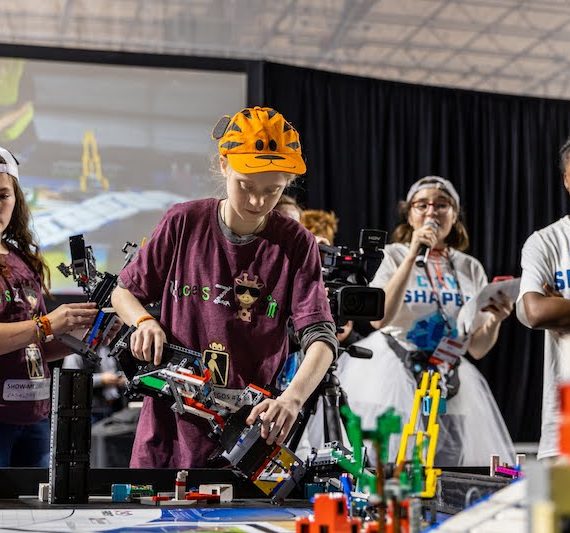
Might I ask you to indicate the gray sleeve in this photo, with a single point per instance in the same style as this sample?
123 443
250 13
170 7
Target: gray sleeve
321 331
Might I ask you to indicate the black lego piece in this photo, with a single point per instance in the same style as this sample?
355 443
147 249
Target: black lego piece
459 488
70 437
171 353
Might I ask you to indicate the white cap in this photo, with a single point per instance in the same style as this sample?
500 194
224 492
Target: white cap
11 165
431 182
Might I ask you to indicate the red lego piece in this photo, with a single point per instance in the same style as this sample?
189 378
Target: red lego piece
399 523
564 424
330 516
208 498
263 391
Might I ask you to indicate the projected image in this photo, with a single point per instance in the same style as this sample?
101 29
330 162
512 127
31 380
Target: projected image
105 150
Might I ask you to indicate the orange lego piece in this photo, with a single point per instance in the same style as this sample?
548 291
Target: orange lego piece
330 516
263 391
564 427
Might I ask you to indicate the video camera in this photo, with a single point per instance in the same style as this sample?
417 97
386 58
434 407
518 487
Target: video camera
347 273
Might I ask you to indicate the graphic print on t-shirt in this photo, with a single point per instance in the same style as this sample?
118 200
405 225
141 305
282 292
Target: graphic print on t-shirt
217 361
446 290
562 278
247 292
33 353
34 362
19 300
32 299
24 373
272 307
426 332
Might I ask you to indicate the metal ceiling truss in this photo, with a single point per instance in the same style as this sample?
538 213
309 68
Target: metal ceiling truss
512 46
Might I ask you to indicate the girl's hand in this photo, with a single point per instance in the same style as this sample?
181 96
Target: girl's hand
148 339
500 308
68 317
277 418
427 235
112 379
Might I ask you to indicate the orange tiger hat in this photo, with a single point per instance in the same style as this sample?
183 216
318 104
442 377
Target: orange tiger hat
259 139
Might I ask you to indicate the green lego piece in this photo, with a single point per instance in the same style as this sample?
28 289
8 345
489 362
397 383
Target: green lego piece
365 480
417 481
153 383
386 424
353 424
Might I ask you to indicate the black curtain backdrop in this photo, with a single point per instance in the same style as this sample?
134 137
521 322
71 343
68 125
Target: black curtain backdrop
366 141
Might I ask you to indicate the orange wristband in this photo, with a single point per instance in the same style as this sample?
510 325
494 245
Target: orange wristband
46 325
144 318
44 332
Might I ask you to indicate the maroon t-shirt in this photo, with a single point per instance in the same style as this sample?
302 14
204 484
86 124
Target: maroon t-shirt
229 301
24 375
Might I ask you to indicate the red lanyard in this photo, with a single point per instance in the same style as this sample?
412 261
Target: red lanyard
440 277
438 272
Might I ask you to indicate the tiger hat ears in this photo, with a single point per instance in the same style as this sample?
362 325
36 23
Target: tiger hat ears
259 139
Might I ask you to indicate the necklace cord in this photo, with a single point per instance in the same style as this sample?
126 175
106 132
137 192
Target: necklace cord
225 223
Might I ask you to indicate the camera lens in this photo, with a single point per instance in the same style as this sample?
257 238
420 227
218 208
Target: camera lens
354 304
361 303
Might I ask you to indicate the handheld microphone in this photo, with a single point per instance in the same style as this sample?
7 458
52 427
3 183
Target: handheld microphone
423 253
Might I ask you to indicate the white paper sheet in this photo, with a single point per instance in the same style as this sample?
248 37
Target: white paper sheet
471 315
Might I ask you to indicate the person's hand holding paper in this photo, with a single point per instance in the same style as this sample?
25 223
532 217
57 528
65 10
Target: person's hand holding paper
496 298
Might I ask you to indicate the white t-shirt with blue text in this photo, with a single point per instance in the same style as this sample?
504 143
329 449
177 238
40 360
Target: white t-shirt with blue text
546 259
418 324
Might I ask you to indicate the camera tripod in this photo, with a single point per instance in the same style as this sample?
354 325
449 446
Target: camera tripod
333 397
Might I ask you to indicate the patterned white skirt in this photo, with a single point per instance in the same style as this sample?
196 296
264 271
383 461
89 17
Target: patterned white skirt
470 432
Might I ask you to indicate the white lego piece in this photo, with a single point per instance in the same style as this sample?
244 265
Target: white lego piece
494 463
43 491
180 485
225 491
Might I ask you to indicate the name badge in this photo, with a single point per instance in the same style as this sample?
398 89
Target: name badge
26 390
448 352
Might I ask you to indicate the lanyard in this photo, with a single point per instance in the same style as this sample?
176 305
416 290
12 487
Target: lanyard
441 280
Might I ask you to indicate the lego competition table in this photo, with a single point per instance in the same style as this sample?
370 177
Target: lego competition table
21 510
247 516
501 505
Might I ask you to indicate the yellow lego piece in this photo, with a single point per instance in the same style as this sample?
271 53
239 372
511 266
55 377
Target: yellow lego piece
430 434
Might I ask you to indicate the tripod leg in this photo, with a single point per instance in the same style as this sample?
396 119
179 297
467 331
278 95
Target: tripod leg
333 397
308 411
331 412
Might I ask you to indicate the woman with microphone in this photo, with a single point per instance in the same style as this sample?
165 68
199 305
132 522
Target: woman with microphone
427 278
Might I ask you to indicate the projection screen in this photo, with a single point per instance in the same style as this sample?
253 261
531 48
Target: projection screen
104 150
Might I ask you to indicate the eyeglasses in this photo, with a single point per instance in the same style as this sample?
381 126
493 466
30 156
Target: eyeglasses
253 291
439 207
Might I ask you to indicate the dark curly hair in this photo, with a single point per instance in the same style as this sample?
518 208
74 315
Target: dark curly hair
19 235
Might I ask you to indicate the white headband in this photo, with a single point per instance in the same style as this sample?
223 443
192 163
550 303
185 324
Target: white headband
11 165
431 182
